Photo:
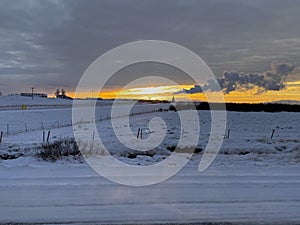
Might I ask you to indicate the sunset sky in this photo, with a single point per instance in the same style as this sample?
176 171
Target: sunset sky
291 92
49 44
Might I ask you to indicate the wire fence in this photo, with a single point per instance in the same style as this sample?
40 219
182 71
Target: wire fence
234 131
292 133
15 128
12 128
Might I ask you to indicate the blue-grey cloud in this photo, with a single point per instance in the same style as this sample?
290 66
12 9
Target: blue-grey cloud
273 80
51 42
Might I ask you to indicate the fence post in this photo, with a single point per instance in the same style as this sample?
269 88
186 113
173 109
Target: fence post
48 136
26 130
43 136
228 134
43 125
141 133
272 134
1 135
138 134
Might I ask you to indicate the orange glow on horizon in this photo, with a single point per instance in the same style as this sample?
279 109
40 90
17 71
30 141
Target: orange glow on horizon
291 92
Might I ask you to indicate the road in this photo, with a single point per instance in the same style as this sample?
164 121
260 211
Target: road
73 193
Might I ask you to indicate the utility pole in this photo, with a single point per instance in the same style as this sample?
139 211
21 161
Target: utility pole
32 93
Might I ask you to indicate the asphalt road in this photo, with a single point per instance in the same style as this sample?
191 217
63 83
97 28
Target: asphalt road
75 194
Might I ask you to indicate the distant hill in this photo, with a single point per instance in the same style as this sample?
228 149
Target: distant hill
15 101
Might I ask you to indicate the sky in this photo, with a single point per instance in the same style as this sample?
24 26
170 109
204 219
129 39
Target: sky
49 44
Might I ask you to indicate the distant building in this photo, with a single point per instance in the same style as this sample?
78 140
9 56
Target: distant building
40 95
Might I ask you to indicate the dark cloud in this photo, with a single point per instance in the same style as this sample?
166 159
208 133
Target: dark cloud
231 81
283 68
193 90
58 39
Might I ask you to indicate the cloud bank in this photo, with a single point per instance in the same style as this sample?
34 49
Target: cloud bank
273 80
49 44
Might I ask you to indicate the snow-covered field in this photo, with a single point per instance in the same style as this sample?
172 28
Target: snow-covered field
16 101
255 178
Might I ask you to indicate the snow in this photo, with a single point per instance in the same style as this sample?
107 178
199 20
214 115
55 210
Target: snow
8 102
64 193
18 121
16 101
254 179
